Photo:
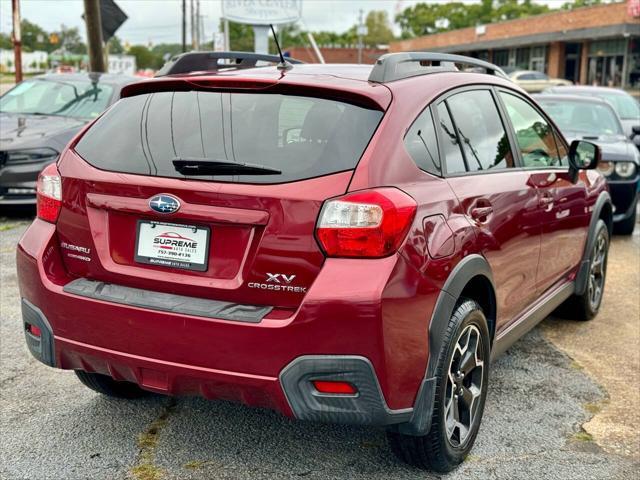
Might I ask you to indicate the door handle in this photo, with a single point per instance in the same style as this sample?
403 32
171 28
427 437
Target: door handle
546 201
481 213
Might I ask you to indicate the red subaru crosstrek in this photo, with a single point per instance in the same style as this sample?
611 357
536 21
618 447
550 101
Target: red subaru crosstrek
340 243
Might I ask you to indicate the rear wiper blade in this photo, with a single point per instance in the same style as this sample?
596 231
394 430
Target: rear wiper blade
194 167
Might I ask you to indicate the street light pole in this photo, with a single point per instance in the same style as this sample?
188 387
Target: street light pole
94 35
17 40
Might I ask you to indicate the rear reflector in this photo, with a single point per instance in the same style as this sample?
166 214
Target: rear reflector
339 388
366 224
49 194
33 330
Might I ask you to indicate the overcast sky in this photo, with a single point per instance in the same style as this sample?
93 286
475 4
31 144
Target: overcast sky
159 21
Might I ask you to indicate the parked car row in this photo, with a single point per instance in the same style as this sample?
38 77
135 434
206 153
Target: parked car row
610 118
39 116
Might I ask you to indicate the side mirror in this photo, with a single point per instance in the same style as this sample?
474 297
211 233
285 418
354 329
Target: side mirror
583 155
636 129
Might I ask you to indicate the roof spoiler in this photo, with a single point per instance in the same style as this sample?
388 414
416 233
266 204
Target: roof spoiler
210 61
396 66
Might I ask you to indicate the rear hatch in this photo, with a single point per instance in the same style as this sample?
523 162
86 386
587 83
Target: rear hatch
210 194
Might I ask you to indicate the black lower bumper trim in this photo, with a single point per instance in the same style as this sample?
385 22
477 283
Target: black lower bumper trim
367 407
166 302
40 347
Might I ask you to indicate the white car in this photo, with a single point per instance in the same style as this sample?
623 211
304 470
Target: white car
533 81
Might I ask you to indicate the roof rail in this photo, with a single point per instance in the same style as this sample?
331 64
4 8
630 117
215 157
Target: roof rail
209 61
396 66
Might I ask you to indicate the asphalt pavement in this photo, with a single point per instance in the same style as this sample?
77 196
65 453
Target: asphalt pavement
52 427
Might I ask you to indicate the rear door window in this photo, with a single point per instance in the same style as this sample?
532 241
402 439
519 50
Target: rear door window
480 131
302 137
450 144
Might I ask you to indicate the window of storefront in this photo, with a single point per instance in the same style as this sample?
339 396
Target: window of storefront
606 61
633 63
538 59
501 57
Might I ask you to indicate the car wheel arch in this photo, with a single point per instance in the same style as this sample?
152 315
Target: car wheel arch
602 210
471 278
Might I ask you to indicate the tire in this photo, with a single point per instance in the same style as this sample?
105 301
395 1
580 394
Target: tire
108 386
443 448
626 226
586 306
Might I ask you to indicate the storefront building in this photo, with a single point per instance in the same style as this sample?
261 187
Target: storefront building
597 45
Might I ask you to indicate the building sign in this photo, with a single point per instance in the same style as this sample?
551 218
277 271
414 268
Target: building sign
262 12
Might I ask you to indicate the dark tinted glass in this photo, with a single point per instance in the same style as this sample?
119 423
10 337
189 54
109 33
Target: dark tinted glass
303 137
450 145
480 129
534 134
422 145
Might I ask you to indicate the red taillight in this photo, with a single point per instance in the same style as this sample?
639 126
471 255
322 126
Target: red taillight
33 330
369 224
49 194
339 388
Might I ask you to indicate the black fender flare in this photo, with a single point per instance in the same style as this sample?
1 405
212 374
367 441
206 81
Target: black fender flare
583 271
469 267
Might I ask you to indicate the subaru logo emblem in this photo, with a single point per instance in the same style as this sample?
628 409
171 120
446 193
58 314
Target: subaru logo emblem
164 203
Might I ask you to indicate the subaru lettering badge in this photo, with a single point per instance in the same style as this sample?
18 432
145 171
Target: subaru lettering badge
164 203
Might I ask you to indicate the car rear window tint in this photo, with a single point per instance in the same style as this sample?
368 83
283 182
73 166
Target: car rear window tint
451 147
303 137
422 145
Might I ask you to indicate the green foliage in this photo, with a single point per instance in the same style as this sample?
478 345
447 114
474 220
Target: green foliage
580 3
71 41
379 28
421 19
5 42
144 57
34 37
115 45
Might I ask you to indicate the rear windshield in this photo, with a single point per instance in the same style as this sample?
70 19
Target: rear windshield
302 137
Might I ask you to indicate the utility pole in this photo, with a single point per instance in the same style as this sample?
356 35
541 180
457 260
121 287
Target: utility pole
197 24
184 26
360 32
193 24
17 40
94 35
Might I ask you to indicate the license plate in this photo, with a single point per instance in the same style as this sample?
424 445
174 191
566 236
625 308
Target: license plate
172 245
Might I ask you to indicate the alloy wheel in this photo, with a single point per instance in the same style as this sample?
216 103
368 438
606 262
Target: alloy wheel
597 271
464 386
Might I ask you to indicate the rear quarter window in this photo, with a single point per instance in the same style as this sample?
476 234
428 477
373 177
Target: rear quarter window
303 137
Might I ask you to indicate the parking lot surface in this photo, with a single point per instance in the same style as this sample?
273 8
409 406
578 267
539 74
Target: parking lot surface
52 427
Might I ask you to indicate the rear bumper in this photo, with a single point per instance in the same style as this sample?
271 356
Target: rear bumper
364 333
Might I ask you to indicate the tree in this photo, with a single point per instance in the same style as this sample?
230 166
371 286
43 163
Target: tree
144 57
115 45
378 28
423 18
580 3
34 37
5 42
70 40
240 36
